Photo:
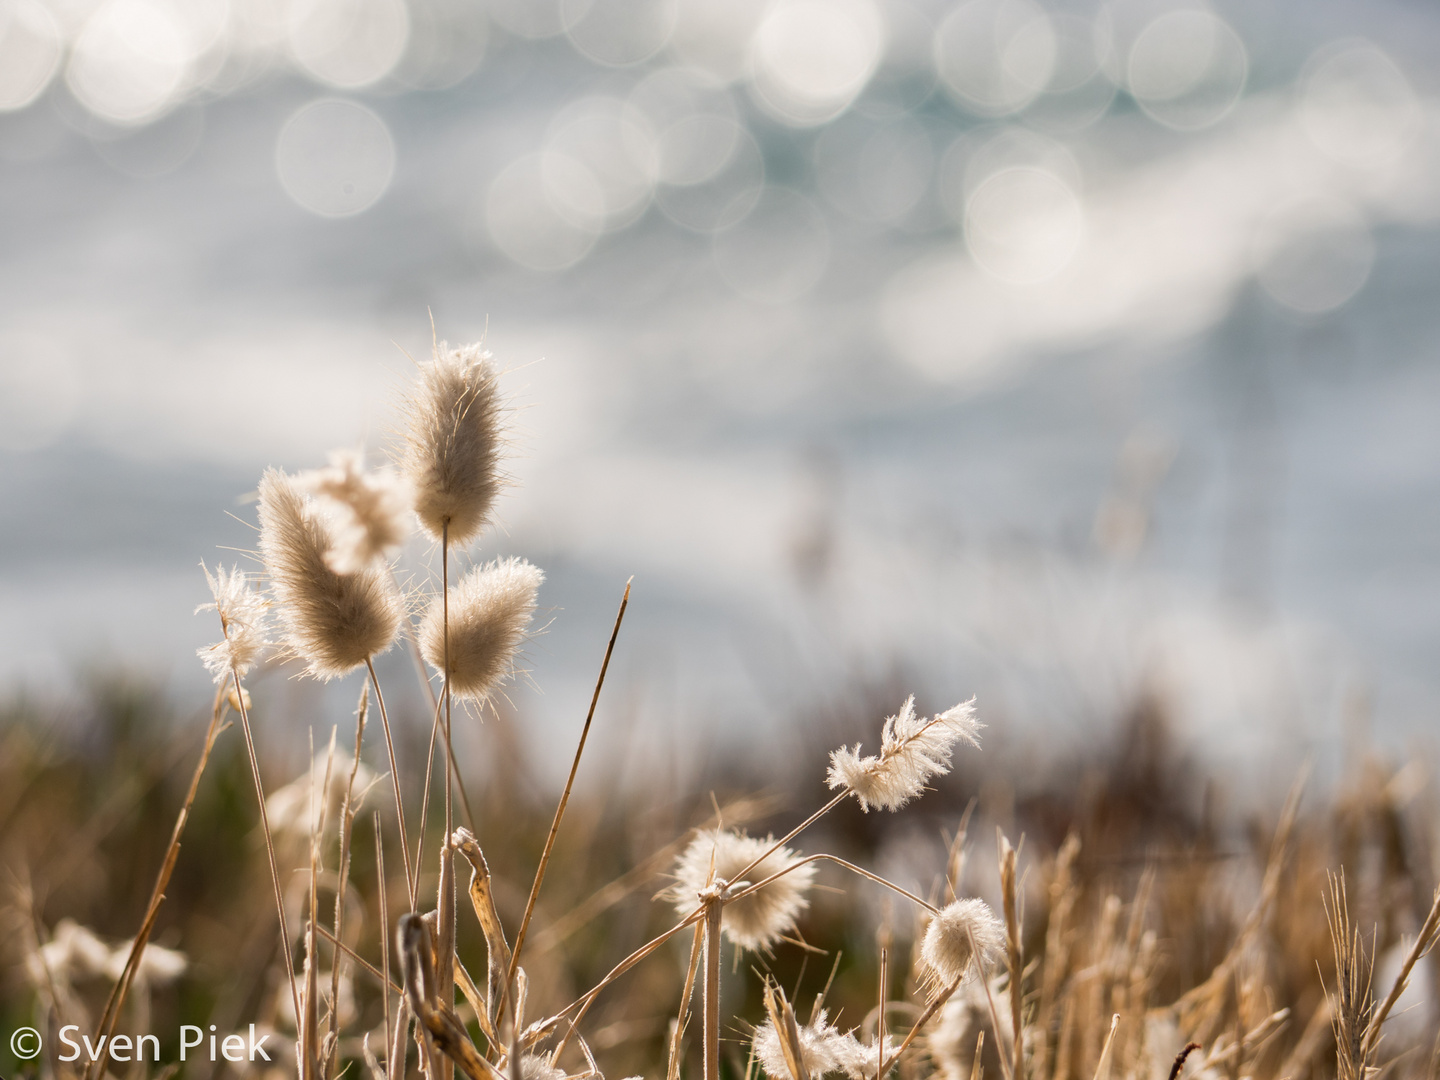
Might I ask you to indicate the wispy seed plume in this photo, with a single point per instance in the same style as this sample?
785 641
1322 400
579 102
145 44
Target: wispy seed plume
912 750
242 621
452 442
490 611
335 622
372 511
824 1048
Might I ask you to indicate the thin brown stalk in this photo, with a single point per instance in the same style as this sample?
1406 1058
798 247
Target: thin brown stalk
816 816
822 857
1179 1063
713 909
584 1001
445 901
394 781
347 828
994 1013
569 784
269 842
111 1014
1353 1007
880 1018
435 728
381 979
1424 942
920 1022
672 1070
310 1022
1102 1068
1013 957
382 882
979 1051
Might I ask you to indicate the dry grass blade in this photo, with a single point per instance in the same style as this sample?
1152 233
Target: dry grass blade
1351 1006
105 1029
979 1052
672 1068
347 829
569 785
1179 1062
1102 1068
482 899
394 783
1424 942
1013 956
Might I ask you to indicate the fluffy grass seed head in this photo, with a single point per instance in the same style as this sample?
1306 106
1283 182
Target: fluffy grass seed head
372 511
490 611
963 931
335 622
826 1049
757 921
912 750
451 451
242 623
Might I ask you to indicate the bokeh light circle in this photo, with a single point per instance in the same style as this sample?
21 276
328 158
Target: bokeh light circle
810 59
335 158
1187 69
130 62
605 136
1316 253
30 49
1023 225
995 56
619 33
544 211
349 43
1356 104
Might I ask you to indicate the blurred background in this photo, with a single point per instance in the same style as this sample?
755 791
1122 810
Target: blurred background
1063 354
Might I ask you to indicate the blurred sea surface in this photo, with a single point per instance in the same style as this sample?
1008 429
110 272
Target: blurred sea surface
1064 354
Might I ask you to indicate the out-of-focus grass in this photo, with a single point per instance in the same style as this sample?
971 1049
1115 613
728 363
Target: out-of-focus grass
1167 873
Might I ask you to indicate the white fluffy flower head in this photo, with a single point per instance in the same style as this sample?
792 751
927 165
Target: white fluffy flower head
960 932
912 750
242 614
372 511
826 1049
756 921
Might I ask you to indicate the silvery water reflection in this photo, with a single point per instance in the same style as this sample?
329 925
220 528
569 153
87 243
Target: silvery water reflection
742 230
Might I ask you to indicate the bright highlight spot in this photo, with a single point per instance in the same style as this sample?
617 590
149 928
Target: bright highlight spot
349 43
1023 225
335 158
1187 69
1356 105
995 56
130 62
811 58
29 52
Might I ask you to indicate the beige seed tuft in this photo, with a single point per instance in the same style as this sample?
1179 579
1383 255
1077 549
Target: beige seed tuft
490 610
372 511
825 1048
451 451
912 750
335 622
960 932
757 921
